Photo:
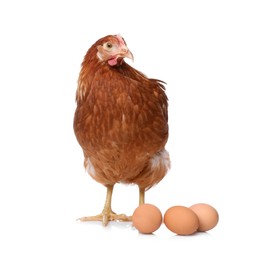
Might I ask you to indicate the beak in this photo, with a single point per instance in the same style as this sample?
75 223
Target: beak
126 53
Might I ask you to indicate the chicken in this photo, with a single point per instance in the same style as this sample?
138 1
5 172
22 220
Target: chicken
120 122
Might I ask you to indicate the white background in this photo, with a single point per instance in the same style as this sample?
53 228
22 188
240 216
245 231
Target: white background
208 52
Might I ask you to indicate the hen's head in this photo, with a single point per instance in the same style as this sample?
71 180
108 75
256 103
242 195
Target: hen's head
112 49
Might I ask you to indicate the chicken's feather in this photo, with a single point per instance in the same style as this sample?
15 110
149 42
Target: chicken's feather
121 123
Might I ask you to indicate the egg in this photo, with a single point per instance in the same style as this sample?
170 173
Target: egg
207 215
181 220
147 218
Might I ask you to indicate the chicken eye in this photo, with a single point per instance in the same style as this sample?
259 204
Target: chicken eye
108 45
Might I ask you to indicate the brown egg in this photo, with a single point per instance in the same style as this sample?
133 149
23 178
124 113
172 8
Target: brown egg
147 218
207 215
181 220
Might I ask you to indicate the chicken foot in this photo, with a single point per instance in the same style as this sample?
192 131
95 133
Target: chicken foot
107 213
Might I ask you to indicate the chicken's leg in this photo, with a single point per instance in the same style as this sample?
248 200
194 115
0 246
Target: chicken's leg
142 196
107 213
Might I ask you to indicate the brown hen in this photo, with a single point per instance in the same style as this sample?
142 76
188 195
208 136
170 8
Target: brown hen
121 122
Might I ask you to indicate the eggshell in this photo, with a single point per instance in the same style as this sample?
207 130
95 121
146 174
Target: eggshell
181 220
207 215
147 218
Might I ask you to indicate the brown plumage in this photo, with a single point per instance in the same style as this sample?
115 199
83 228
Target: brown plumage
121 122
